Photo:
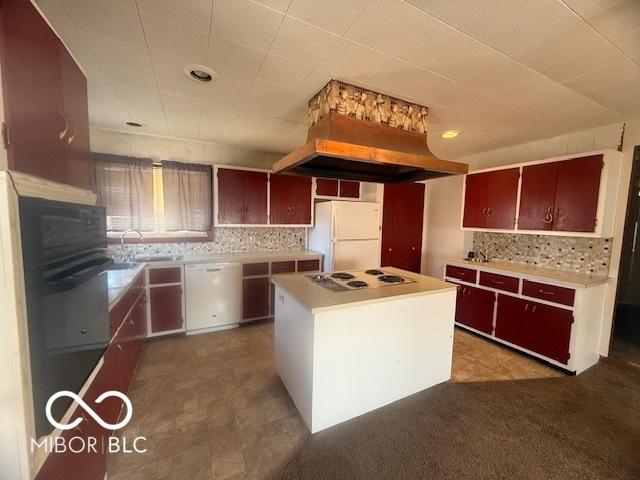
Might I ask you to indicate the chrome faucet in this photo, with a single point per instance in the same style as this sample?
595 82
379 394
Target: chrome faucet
122 255
484 256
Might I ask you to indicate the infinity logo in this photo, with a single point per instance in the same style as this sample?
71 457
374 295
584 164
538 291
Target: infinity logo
89 410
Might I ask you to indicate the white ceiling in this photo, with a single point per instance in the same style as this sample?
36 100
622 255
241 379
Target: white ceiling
502 72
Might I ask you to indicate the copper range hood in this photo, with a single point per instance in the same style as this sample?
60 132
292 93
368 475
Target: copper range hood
345 147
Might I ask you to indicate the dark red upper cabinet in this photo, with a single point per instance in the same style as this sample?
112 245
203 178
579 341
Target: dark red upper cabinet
241 197
230 196
503 197
255 197
537 196
45 99
32 90
349 189
290 200
475 200
577 191
327 187
75 104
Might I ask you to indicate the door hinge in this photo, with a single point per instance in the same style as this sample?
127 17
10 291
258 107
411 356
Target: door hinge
6 136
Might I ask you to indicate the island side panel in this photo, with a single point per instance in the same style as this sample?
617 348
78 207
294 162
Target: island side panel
293 350
368 356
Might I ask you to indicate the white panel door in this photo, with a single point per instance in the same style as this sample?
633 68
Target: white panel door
356 255
356 220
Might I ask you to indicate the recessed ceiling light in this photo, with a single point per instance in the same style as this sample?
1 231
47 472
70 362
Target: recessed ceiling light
199 73
450 134
134 124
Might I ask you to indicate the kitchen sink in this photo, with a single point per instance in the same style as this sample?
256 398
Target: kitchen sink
159 258
124 266
476 260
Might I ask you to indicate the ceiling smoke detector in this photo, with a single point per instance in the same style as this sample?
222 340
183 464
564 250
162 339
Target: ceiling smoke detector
199 73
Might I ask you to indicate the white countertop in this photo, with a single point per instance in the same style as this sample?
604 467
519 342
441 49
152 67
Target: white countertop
317 298
119 280
571 279
242 257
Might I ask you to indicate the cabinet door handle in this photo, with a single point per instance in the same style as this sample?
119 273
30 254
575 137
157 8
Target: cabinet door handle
72 137
489 211
526 307
533 309
484 212
65 130
413 248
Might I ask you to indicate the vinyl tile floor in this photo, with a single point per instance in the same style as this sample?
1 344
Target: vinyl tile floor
211 406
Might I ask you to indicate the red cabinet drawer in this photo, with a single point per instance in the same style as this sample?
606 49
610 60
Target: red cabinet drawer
283 267
552 293
499 282
253 269
164 275
308 265
461 273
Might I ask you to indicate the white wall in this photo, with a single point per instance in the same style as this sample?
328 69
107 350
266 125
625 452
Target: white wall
445 238
163 148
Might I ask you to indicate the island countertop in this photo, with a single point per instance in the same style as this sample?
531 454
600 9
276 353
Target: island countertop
316 298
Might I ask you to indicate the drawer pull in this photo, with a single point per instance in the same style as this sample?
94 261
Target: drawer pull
498 282
546 292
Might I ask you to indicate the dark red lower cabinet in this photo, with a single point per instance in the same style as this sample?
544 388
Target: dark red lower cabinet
255 297
535 326
513 323
474 308
551 329
166 308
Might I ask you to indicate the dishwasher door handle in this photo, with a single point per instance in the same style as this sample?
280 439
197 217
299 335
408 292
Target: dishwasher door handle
213 269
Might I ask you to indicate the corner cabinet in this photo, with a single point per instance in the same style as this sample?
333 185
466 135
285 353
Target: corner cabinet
570 195
253 197
46 128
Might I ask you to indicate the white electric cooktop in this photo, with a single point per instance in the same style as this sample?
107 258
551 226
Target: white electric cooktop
356 280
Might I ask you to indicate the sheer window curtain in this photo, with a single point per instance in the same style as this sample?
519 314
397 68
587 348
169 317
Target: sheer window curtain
125 188
187 196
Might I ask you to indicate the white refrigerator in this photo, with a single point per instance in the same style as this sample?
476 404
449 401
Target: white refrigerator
348 234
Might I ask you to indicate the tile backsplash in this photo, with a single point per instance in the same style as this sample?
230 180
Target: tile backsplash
226 239
574 254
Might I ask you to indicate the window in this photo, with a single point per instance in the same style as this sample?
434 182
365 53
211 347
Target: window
162 200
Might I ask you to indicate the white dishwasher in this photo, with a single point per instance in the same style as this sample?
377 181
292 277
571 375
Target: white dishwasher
213 297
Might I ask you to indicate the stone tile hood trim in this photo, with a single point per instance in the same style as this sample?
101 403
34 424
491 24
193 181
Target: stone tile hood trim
358 134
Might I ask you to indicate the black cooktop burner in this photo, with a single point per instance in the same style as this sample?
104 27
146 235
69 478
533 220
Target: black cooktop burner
342 276
391 279
357 284
374 272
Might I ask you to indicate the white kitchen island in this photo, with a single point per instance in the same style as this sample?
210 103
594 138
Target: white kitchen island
344 353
